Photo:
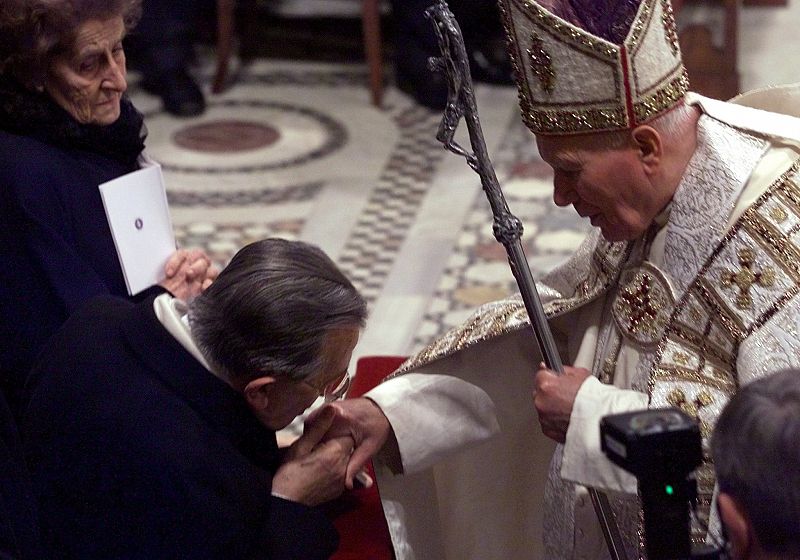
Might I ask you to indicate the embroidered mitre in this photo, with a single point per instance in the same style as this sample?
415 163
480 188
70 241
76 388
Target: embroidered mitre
593 65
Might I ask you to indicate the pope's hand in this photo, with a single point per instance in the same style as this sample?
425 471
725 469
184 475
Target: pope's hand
554 397
363 421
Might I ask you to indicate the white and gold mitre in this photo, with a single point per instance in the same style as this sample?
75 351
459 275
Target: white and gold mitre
572 81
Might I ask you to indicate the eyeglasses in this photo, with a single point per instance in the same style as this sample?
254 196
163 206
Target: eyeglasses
335 390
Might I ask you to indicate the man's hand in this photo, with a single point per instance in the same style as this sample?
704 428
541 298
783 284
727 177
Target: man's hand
363 421
188 272
554 397
313 470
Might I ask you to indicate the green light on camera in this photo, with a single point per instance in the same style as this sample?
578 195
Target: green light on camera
669 489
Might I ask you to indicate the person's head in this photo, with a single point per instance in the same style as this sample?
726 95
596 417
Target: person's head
71 50
280 323
600 85
621 180
756 453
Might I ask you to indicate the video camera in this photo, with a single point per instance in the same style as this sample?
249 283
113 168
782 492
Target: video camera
661 448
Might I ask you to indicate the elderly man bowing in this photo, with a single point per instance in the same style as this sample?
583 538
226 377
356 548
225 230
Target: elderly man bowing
150 430
685 291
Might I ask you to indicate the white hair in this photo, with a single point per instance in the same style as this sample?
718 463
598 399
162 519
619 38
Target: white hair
672 126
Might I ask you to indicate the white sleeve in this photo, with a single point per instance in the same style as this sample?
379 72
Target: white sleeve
583 461
434 415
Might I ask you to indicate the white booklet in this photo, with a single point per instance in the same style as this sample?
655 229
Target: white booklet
138 214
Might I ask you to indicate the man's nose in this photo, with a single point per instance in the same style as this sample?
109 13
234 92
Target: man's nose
563 195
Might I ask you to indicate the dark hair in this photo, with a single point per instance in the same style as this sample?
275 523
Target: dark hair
33 31
269 310
756 451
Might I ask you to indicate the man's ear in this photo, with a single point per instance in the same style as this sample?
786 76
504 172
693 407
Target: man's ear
740 532
650 146
258 392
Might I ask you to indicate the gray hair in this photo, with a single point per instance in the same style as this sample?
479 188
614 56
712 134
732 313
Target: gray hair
34 31
269 310
756 451
672 125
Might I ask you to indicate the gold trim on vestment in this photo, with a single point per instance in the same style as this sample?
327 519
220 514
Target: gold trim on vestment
712 319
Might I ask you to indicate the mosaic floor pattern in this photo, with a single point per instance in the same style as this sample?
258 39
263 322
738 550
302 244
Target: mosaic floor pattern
477 271
296 151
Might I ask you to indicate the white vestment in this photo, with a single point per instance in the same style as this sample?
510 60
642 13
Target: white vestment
681 319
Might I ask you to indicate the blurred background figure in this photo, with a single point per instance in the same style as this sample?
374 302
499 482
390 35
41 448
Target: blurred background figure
757 460
161 48
415 42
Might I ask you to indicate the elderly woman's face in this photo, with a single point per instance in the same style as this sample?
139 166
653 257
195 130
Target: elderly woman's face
88 81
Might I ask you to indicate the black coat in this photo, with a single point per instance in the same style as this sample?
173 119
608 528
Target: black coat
56 246
19 526
137 451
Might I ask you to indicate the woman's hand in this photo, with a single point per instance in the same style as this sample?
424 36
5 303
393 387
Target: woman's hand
188 272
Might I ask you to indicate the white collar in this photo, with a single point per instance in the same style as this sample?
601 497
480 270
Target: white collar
172 313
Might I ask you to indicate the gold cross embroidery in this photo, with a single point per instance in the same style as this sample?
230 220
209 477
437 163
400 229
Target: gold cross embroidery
541 63
678 398
747 277
681 359
778 214
643 312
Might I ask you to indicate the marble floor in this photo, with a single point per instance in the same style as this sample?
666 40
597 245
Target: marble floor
296 150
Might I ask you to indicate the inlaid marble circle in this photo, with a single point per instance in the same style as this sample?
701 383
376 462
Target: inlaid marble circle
242 136
233 135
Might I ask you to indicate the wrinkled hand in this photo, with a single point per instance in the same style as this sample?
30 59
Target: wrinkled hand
188 272
313 470
363 421
554 397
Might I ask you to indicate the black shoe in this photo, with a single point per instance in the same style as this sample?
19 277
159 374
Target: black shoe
178 91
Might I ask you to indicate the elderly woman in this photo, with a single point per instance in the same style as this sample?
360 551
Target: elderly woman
66 126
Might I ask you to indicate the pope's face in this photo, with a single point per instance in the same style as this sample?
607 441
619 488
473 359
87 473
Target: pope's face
88 81
608 186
